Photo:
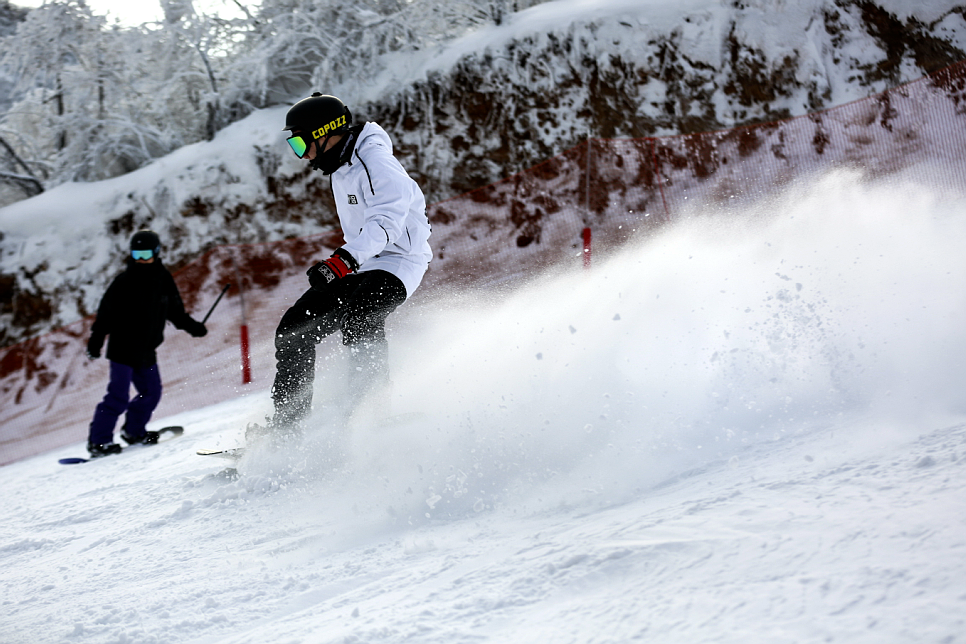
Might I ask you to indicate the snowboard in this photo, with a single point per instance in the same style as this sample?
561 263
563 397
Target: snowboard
236 453
176 430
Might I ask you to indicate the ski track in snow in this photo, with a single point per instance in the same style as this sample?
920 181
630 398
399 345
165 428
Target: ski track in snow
679 446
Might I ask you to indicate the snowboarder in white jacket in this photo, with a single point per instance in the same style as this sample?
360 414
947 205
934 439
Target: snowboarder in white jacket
382 213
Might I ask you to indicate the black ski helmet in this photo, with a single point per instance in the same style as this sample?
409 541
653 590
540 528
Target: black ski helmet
146 240
315 120
318 116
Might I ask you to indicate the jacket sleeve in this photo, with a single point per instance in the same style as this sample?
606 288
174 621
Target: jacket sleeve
105 320
388 199
176 313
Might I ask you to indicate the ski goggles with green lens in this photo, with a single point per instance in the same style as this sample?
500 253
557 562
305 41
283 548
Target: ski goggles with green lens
142 254
298 144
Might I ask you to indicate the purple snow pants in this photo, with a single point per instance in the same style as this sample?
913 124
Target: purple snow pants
147 382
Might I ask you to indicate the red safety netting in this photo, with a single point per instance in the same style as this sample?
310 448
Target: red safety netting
617 188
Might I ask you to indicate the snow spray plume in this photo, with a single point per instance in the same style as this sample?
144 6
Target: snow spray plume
838 298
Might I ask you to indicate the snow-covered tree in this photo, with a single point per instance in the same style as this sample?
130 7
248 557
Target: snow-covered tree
94 100
16 177
297 45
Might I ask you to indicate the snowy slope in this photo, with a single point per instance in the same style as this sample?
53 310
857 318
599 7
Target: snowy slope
740 430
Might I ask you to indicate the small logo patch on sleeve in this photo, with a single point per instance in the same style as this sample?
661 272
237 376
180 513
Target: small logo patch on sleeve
353 201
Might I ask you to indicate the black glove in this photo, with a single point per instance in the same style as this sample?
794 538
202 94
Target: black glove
94 348
336 267
196 329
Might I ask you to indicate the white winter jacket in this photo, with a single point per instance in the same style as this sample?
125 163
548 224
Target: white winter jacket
382 211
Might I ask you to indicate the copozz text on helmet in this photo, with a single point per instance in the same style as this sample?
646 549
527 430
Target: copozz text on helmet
331 126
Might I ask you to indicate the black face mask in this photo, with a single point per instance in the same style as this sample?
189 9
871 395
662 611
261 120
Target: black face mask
335 157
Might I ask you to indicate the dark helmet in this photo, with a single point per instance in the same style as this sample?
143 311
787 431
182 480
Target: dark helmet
318 116
315 120
146 240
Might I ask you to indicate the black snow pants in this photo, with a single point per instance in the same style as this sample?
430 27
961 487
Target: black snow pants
358 305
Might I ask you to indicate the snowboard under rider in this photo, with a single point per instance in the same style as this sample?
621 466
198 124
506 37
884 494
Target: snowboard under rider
132 314
382 213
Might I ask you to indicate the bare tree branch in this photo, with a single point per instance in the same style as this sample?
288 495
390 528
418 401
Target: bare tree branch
20 179
30 185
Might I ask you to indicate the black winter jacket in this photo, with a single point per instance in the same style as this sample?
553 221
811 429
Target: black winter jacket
133 312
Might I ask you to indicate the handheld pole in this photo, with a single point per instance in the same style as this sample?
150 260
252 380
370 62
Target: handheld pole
220 295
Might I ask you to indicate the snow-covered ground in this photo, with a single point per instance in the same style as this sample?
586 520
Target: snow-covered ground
737 431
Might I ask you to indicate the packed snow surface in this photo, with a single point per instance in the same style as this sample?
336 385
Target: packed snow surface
739 430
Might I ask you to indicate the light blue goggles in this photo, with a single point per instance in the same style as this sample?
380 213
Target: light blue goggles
142 254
